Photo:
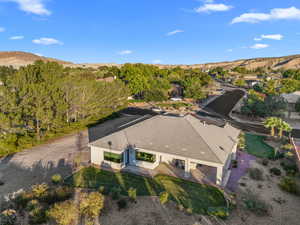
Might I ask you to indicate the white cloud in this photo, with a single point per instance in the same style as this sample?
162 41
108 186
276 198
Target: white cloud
276 37
2 29
47 41
206 8
259 46
230 50
16 38
31 6
291 13
156 61
174 32
125 52
38 54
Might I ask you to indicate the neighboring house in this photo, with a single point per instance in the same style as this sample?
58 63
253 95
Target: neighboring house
183 142
291 100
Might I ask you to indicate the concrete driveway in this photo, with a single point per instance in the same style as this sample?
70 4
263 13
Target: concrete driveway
37 165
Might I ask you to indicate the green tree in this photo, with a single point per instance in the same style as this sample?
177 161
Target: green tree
271 123
283 126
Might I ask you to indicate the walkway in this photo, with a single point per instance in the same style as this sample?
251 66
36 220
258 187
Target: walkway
244 160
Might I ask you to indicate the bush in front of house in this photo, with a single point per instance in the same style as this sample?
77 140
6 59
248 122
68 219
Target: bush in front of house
275 171
180 207
115 193
90 206
39 191
8 217
265 162
290 167
64 213
122 204
256 205
32 204
234 164
289 184
132 194
56 179
37 215
164 197
255 174
221 212
21 200
189 211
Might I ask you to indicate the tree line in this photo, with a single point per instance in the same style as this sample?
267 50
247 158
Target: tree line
40 100
45 99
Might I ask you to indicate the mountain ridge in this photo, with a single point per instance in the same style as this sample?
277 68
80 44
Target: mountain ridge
19 58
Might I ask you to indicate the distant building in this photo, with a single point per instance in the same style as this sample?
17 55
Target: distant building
291 100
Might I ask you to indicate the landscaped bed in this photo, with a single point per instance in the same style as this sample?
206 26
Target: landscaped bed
256 145
196 196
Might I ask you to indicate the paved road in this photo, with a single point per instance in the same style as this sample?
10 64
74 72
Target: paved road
38 164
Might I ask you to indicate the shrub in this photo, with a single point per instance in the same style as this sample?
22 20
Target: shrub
180 207
255 174
115 193
22 199
275 171
58 194
122 204
163 197
91 205
189 210
221 212
39 191
132 194
101 189
289 184
64 213
37 215
8 217
1 182
290 167
32 204
254 204
265 162
56 179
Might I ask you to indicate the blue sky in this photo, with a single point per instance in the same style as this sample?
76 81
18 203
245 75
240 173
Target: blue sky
151 31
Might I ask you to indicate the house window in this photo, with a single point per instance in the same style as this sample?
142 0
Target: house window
143 156
113 157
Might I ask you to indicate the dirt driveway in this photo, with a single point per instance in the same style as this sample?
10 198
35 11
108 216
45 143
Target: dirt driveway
38 164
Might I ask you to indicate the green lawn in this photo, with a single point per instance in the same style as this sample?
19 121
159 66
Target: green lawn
255 145
191 195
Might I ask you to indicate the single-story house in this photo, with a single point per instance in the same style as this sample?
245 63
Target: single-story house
291 99
185 142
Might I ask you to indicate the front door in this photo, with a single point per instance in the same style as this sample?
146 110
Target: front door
127 157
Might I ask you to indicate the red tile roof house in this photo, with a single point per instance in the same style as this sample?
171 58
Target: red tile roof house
182 141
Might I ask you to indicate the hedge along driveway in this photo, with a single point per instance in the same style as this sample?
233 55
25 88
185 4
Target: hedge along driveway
199 197
255 145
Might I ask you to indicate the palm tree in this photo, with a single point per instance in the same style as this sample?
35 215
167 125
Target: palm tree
271 123
283 126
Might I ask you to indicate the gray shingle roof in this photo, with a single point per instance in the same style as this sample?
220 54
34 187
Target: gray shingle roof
183 136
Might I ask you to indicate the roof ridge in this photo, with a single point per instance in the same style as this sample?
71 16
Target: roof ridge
220 161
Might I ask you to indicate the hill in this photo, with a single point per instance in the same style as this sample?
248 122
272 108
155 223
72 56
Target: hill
17 59
274 63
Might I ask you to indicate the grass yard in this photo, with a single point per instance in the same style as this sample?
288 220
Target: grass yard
255 145
191 195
